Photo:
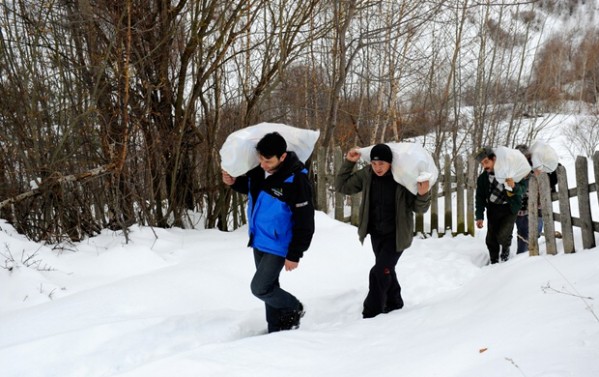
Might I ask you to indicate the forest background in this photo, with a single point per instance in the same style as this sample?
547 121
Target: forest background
113 112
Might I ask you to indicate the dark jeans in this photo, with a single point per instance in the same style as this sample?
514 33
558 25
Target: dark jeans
522 226
265 286
500 228
384 291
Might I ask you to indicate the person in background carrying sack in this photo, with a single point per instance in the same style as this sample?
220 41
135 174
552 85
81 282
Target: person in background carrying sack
281 225
522 219
502 206
387 214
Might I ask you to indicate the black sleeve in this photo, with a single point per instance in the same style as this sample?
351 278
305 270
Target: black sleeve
302 209
481 196
553 180
241 184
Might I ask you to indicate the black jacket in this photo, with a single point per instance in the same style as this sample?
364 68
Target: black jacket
289 186
382 205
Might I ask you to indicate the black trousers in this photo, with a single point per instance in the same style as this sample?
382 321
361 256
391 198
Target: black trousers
265 286
384 291
500 227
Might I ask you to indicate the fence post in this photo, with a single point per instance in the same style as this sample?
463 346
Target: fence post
584 205
321 180
356 200
448 223
547 210
419 224
419 221
565 215
596 168
435 207
460 187
339 198
533 219
470 187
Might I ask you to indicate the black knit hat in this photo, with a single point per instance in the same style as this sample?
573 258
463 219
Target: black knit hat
272 144
381 152
483 153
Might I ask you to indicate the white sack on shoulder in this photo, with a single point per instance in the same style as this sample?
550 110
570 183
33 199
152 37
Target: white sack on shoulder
510 163
411 164
238 154
544 157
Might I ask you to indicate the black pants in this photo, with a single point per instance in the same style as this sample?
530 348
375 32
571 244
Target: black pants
265 286
384 293
500 228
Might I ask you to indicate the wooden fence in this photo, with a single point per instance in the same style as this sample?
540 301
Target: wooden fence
452 205
582 192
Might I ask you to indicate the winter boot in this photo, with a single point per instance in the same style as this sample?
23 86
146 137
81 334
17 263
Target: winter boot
505 254
291 320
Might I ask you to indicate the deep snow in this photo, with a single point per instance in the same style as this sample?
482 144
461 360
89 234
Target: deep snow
180 305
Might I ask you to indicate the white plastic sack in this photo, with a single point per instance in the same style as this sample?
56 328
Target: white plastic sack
238 154
544 157
411 164
510 163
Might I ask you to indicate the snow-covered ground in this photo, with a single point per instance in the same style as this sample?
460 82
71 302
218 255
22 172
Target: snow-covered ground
177 303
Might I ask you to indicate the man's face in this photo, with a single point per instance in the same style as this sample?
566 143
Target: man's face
270 165
488 164
380 168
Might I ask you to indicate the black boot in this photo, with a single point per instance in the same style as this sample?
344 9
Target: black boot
393 306
505 254
291 320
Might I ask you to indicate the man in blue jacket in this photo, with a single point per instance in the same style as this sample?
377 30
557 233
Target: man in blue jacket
281 225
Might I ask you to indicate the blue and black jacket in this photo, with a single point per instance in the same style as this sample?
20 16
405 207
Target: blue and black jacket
280 208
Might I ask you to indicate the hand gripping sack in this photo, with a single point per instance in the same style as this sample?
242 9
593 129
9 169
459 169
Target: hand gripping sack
510 163
411 164
238 154
544 157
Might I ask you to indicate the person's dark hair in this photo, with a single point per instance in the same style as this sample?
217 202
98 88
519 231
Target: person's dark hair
272 144
523 148
484 152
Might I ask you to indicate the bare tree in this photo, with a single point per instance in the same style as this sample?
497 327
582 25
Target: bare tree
113 112
583 138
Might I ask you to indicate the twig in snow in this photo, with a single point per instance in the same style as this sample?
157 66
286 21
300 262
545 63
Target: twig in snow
548 287
516 365
584 299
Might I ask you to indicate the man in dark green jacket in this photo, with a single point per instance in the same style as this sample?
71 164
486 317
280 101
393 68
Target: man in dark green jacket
387 214
502 205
